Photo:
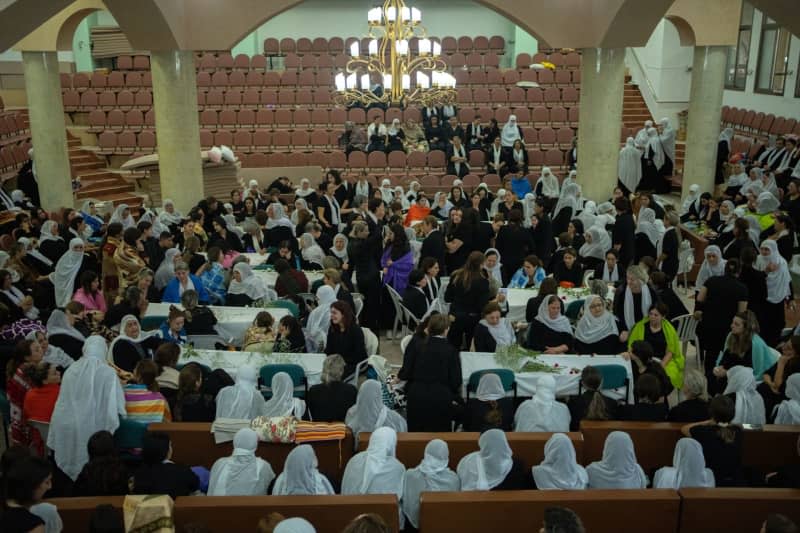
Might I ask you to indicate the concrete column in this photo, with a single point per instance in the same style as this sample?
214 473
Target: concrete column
600 120
177 127
46 112
705 110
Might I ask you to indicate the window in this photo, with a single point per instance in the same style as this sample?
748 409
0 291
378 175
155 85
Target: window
773 58
736 68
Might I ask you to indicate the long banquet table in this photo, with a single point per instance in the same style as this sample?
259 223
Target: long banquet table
230 361
518 299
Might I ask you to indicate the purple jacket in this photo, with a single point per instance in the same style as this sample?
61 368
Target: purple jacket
398 271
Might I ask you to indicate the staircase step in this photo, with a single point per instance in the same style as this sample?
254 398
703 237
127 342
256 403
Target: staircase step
86 165
101 193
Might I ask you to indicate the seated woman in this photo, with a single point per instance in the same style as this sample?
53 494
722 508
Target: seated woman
200 320
787 412
749 405
241 474
132 345
369 413
40 400
569 270
283 403
657 331
643 361
51 244
531 274
300 476
311 252
286 252
171 329
143 402
414 297
290 282
259 336
744 347
290 338
213 276
132 303
695 406
157 474
432 475
559 470
542 412
183 281
618 468
191 404
330 400
339 250
105 474
688 469
345 337
490 407
61 330
721 441
166 357
52 354
595 255
493 330
550 331
591 404
548 287
494 466
90 295
597 331
247 288
242 400
649 406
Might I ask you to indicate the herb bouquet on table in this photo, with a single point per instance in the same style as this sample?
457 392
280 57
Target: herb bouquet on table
518 359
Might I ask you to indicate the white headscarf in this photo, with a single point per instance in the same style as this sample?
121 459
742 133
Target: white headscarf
86 208
125 337
647 225
487 468
304 191
499 198
591 329
560 323
550 187
34 252
767 203
294 525
597 245
369 412
618 469
737 180
726 136
641 135
778 281
788 411
630 165
242 400
628 310
54 355
394 127
688 468
340 255
166 270
432 475
376 470
303 205
310 250
654 142
749 403
230 225
241 474
150 216
167 218
528 204
668 139
58 324
117 216
588 215
300 476
46 232
319 319
283 402
278 216
510 132
543 412
706 270
254 287
560 469
387 193
568 198
691 198
63 277
490 388
90 400
503 333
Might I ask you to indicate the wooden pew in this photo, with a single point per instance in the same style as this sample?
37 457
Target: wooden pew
193 445
762 450
704 510
77 512
528 447
602 511
328 514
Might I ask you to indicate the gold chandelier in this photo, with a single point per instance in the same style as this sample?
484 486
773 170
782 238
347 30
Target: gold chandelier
407 78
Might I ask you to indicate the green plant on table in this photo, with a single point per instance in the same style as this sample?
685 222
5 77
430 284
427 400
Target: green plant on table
518 359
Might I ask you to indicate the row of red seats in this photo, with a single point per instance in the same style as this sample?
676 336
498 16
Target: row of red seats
748 121
13 127
137 62
107 100
337 45
114 80
126 142
571 60
458 60
12 157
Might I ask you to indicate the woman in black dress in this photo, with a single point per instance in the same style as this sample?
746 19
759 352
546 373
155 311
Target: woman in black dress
695 406
668 246
513 243
597 330
290 336
632 301
26 482
132 345
432 370
569 270
550 331
329 400
490 408
191 403
741 240
467 294
345 337
721 442
363 249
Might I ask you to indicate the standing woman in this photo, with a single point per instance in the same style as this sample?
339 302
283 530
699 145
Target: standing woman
723 152
668 246
713 265
345 337
363 248
778 291
397 259
513 243
646 235
26 354
630 167
468 294
623 236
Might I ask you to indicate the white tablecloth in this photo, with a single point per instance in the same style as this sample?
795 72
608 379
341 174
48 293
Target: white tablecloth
234 321
253 259
518 300
230 361
566 382
270 276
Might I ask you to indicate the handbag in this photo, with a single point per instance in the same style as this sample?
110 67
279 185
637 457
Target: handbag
278 429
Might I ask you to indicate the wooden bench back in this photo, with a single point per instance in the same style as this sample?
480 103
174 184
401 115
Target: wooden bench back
704 510
76 513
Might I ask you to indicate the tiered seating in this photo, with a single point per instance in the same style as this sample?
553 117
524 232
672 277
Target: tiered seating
15 141
751 128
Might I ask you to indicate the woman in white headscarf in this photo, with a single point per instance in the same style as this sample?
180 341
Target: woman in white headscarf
300 476
568 199
91 400
51 243
51 354
283 402
33 253
560 470
319 319
549 184
493 330
413 192
767 204
713 265
598 242
339 248
90 216
641 135
629 164
778 290
688 469
387 193
588 215
311 252
618 468
400 196
251 285
122 214
59 326
67 268
488 468
646 225
242 400
510 132
597 330
432 475
132 344
166 270
241 474
788 411
441 206
543 412
499 199
169 216
369 413
493 266
277 216
305 191
749 403
606 215
550 331
737 178
230 225
692 198
299 205
667 137
490 407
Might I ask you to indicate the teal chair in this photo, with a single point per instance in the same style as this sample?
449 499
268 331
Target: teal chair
506 378
152 322
296 372
129 437
573 310
285 304
614 377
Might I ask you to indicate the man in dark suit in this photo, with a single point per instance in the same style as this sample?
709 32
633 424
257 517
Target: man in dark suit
453 129
476 134
433 245
413 297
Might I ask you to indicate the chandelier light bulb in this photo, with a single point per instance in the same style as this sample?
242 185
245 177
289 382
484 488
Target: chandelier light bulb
341 82
365 82
424 47
354 49
373 47
391 14
406 82
401 46
405 14
416 15
352 81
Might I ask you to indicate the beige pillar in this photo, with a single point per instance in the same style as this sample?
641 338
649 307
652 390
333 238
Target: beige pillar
48 131
600 120
177 127
705 110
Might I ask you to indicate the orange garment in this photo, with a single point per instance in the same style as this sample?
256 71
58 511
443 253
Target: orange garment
40 402
416 213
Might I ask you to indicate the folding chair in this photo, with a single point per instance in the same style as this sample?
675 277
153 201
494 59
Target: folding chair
296 372
506 378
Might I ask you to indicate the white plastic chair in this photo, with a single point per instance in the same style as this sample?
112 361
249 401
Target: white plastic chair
686 328
398 311
42 427
358 300
404 343
685 264
370 341
589 275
